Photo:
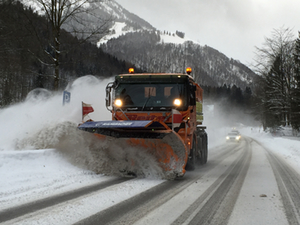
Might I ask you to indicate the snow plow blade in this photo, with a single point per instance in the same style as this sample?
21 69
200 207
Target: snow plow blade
150 136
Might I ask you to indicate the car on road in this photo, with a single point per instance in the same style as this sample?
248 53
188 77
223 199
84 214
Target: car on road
233 135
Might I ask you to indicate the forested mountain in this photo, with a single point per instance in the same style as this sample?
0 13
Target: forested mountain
29 53
25 45
147 50
110 13
133 39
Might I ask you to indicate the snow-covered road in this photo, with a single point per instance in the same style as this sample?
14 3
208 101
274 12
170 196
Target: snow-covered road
47 175
242 183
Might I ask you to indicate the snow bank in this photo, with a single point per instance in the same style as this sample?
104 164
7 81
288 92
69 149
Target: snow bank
43 122
32 174
44 109
287 147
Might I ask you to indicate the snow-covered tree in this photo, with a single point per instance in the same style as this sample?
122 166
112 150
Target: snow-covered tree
275 64
75 16
296 88
275 97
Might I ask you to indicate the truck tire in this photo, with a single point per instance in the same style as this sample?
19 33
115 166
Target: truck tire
205 149
191 163
202 147
202 153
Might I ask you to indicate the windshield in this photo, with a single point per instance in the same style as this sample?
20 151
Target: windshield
150 96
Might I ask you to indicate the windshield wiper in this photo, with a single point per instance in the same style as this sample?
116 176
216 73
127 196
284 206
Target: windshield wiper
146 102
149 96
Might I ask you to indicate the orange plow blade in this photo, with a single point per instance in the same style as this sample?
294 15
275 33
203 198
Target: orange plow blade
165 145
169 151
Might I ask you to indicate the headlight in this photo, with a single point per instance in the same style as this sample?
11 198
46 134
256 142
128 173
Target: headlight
118 102
227 137
177 102
237 138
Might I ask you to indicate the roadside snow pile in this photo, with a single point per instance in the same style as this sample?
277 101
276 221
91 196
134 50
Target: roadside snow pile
287 147
88 152
31 174
42 122
44 109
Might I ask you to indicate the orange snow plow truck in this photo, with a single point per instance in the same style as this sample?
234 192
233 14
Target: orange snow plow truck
160 113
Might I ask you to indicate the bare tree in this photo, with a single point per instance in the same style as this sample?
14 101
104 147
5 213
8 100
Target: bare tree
76 16
274 62
280 43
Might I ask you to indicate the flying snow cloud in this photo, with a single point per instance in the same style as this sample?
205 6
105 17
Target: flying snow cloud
43 122
43 109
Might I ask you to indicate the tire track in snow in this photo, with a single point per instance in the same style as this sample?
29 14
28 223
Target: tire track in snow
137 207
288 181
21 210
169 191
215 205
131 210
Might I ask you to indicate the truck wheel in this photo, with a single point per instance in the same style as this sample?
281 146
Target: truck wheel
199 148
191 163
202 157
202 148
205 150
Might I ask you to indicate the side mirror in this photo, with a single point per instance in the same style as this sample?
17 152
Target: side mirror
108 96
193 95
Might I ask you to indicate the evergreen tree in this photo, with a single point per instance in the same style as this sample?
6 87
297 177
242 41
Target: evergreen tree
24 39
247 97
295 117
273 98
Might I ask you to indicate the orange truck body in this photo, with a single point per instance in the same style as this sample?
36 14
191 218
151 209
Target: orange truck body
160 113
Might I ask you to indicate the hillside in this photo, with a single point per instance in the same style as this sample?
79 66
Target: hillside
26 43
150 51
133 39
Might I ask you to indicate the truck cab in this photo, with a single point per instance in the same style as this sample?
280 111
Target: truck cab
156 96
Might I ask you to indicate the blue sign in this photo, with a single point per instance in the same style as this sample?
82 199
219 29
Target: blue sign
66 97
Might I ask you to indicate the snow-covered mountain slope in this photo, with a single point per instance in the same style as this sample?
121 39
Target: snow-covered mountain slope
163 51
134 40
120 14
156 51
122 28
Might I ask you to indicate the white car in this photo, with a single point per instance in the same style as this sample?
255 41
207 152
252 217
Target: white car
233 136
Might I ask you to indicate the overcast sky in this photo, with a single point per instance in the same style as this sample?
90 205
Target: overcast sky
233 27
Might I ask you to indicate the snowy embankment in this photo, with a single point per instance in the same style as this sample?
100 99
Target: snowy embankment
28 175
29 165
42 153
287 147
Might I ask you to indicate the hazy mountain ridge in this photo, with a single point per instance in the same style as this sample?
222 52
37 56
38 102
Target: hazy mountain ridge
110 8
135 40
146 50
151 50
